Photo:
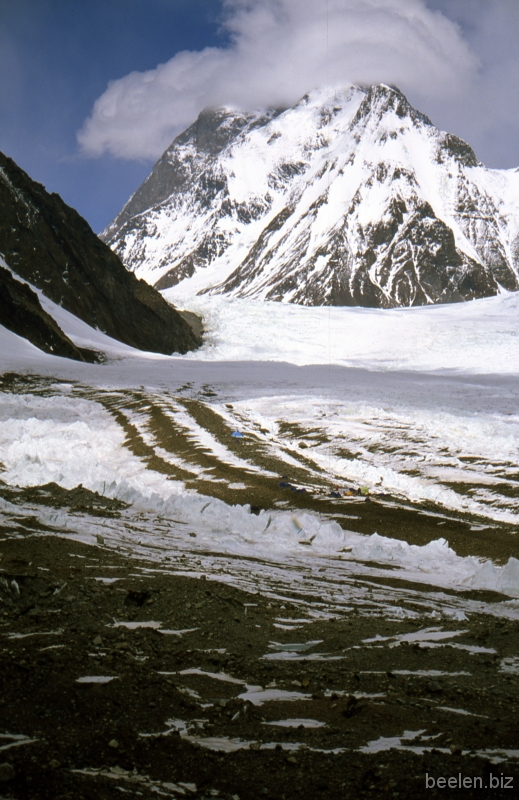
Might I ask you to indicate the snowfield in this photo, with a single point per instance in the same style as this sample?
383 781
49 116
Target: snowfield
478 337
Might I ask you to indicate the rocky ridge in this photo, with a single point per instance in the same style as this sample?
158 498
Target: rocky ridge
48 244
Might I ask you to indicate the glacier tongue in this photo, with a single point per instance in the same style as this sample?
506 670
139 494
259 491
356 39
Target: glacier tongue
351 197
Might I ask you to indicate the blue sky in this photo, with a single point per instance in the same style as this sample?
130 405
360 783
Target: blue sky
167 59
56 58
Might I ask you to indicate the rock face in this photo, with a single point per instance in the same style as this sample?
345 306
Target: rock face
47 243
21 312
351 197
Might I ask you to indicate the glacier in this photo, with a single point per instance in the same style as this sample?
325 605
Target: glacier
435 424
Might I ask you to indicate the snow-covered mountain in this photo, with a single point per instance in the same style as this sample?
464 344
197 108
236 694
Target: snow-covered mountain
351 197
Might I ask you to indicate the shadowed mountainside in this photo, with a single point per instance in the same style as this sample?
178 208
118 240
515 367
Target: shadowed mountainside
49 244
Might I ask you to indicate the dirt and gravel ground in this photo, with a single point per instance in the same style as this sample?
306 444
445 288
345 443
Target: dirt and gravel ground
184 715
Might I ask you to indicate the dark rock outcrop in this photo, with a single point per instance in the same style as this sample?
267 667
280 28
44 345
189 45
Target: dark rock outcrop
49 244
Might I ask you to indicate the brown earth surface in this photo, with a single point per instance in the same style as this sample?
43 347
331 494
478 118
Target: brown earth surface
151 730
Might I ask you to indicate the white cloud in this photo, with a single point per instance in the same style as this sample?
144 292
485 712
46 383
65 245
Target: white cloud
487 114
279 50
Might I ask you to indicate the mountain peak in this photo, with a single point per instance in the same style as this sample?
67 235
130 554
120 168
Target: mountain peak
382 100
350 197
215 128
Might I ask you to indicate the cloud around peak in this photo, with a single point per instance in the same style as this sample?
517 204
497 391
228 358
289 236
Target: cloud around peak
278 50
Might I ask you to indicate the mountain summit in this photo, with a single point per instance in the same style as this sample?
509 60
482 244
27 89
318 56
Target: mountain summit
351 197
